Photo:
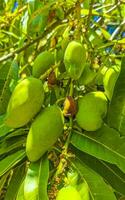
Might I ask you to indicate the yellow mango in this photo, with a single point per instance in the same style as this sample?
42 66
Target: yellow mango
25 102
74 59
67 193
44 132
92 109
42 63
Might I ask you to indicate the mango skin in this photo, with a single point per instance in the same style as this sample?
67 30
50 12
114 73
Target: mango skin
25 102
74 59
42 63
67 193
44 132
110 79
92 108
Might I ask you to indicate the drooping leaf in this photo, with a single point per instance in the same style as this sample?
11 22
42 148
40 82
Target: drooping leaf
6 92
35 186
11 144
104 144
20 195
10 161
3 180
97 186
116 113
113 176
3 128
15 182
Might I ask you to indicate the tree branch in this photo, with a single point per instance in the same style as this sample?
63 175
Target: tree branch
117 30
46 32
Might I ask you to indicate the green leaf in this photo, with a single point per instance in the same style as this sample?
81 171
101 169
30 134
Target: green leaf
38 20
20 195
104 144
10 161
113 177
3 128
3 181
15 182
6 93
17 132
105 34
97 187
35 186
116 113
10 144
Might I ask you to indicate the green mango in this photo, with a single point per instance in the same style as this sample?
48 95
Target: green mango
92 109
110 79
67 193
44 132
25 102
87 76
74 59
42 63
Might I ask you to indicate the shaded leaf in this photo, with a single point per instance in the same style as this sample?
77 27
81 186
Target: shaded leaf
116 113
15 182
35 186
97 187
112 176
6 93
10 161
20 195
3 180
11 144
104 144
3 128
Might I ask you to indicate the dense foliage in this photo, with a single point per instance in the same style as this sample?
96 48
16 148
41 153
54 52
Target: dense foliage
62 99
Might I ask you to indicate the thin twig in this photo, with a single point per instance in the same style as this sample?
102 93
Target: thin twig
89 15
117 30
107 12
46 32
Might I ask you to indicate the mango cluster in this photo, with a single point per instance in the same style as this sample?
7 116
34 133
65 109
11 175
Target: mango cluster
26 108
26 105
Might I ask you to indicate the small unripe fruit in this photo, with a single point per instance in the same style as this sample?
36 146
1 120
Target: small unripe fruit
42 63
67 193
25 102
110 79
74 59
92 109
44 132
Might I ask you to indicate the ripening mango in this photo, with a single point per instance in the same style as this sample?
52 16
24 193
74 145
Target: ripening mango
74 59
25 102
44 132
92 109
42 63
